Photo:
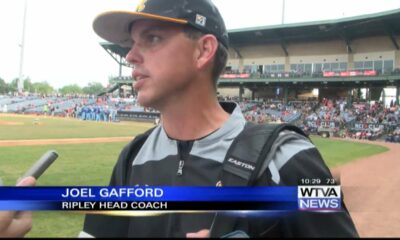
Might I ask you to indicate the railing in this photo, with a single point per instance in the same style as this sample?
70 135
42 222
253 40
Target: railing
322 74
137 116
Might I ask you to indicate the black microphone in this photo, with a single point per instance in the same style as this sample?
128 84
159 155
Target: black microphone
41 165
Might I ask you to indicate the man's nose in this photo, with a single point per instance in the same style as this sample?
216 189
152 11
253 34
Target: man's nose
134 56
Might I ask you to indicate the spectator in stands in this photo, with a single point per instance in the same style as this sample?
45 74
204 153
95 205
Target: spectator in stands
389 138
45 109
396 138
78 111
368 135
52 110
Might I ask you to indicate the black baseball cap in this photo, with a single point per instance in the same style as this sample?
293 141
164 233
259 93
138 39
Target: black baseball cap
114 26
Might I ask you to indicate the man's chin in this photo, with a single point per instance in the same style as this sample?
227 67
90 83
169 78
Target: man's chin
148 103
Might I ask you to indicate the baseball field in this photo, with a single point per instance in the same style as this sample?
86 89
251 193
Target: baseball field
88 151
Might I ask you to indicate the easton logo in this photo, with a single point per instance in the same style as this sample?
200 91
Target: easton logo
241 164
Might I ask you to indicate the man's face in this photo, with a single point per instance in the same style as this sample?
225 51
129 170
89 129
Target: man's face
164 60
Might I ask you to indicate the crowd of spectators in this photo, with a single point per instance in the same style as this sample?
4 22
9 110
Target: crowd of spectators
359 120
393 136
87 108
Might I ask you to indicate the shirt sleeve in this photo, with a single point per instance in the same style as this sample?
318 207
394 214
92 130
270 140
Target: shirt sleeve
298 159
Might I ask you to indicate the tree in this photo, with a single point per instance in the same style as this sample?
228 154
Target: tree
71 89
28 86
3 86
42 88
13 86
93 88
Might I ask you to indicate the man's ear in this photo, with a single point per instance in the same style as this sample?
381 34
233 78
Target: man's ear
207 47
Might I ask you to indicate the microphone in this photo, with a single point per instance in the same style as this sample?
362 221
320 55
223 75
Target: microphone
41 165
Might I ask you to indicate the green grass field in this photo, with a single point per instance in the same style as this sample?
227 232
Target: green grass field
337 152
84 164
32 127
91 164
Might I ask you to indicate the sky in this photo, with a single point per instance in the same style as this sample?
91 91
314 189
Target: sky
61 47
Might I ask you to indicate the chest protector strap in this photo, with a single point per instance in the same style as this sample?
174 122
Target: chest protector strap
245 162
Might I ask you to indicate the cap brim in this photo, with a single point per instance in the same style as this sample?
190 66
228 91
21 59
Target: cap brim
114 26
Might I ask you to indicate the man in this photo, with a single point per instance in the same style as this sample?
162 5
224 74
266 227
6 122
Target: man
179 49
16 224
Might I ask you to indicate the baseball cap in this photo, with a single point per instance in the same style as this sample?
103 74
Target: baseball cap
114 26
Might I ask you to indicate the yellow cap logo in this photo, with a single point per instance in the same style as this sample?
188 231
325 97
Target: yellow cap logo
141 6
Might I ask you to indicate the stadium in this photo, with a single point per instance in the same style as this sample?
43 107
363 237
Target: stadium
336 79
352 62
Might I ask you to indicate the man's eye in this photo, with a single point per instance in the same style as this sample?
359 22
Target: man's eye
153 39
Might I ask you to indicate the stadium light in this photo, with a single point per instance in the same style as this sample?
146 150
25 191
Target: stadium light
22 45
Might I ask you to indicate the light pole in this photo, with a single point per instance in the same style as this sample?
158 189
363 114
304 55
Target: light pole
22 46
283 11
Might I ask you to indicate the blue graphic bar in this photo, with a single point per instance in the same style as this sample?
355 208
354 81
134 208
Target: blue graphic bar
148 198
170 198
196 194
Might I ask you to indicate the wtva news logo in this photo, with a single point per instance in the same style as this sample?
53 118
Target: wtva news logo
319 198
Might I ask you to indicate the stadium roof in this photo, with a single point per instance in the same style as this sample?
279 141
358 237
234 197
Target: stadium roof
117 52
347 29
